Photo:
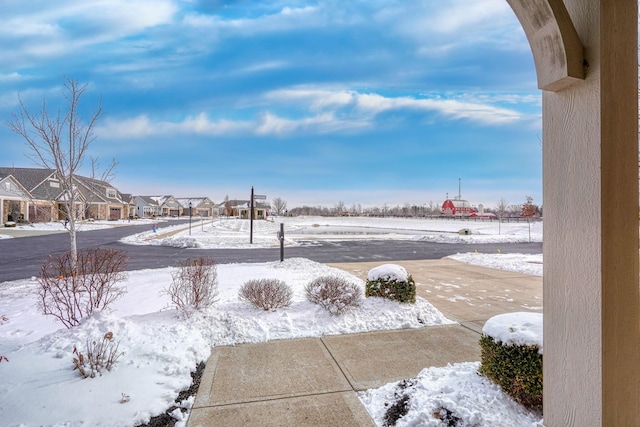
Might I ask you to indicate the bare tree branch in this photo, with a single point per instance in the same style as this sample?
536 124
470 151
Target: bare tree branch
60 142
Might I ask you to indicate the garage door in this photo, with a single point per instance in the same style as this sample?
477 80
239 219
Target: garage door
114 213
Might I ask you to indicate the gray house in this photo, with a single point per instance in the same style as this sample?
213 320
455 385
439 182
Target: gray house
200 206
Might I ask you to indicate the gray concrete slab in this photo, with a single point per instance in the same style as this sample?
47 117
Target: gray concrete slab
370 360
266 371
331 409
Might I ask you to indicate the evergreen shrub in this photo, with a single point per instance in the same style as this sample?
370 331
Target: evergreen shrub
393 289
517 369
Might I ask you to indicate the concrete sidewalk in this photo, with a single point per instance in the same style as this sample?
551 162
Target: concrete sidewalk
313 381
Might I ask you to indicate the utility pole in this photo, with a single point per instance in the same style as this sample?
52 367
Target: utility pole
251 218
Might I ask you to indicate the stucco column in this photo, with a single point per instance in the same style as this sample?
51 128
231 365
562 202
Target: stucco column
590 180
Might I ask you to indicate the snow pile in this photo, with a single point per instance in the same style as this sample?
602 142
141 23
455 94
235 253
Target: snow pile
521 328
388 272
160 347
452 395
520 263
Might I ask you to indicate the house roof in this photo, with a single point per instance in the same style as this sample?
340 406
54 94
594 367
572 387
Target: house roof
95 190
37 181
149 200
195 201
42 184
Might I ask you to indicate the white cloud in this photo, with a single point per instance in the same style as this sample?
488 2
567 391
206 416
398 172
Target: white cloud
57 28
271 124
263 66
315 99
141 127
372 104
438 28
11 77
284 20
330 111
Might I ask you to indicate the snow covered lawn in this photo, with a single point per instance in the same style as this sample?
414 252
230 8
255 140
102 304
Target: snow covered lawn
234 233
161 347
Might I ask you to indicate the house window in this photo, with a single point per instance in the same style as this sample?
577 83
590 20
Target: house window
111 193
54 183
7 186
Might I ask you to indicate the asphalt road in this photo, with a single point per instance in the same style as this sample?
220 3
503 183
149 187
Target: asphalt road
22 257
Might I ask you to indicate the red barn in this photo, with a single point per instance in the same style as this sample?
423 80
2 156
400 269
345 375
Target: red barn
457 207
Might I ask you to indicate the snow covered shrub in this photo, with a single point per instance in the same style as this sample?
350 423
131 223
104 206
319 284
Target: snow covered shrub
334 294
511 356
70 294
101 355
194 284
391 281
267 294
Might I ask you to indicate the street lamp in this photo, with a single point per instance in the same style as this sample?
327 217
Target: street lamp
189 218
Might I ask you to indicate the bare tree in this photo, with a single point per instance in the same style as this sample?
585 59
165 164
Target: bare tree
529 211
60 141
228 207
279 205
501 210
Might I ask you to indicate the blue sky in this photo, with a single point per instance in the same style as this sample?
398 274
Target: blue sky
316 102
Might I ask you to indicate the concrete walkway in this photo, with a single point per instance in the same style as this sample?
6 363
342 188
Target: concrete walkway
313 381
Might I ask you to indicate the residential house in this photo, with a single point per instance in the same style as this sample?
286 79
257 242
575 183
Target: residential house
200 206
43 193
241 209
146 207
152 206
14 200
128 199
44 196
101 200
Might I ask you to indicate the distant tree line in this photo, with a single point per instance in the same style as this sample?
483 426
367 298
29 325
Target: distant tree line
503 209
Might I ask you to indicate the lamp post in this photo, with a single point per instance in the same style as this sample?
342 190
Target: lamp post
189 218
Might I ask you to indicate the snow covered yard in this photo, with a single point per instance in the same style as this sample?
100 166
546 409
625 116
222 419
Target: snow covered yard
162 347
227 233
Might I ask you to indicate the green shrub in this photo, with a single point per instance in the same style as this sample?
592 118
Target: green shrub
517 369
397 290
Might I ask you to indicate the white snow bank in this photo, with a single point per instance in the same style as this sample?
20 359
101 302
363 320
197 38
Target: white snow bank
521 328
388 272
519 263
440 396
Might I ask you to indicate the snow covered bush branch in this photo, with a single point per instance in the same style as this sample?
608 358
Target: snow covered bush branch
267 294
101 355
194 284
70 291
334 294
